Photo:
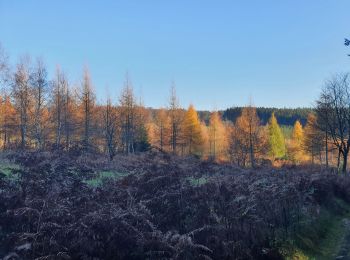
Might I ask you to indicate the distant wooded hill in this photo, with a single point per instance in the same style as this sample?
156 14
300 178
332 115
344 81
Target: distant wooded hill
285 116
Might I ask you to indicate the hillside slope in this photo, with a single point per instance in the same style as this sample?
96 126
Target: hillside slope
160 207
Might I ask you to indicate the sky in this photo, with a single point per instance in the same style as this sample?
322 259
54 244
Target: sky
219 54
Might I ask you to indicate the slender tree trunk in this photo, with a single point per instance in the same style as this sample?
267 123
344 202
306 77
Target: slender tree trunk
5 130
161 137
66 127
338 159
5 140
251 149
345 161
190 143
23 136
214 144
326 149
174 138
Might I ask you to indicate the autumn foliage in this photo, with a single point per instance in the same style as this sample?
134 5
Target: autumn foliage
297 141
38 113
277 147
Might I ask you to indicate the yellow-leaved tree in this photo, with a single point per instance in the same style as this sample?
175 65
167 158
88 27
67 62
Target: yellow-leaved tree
217 139
248 138
313 142
205 138
296 146
161 134
277 146
192 131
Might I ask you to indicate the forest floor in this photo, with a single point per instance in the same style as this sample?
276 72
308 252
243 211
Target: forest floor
159 206
344 243
336 242
328 237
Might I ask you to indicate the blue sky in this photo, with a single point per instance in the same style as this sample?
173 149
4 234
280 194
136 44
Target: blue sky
219 53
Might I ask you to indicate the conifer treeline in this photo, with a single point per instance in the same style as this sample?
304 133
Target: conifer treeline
285 116
42 113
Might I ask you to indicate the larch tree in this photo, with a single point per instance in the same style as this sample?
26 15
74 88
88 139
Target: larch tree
297 142
110 128
205 141
151 133
323 115
22 96
237 146
176 117
127 116
59 85
192 132
8 121
142 118
216 136
69 116
8 112
277 147
161 129
87 99
249 134
39 84
313 143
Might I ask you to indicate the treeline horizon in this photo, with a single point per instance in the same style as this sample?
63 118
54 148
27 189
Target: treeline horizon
49 114
285 116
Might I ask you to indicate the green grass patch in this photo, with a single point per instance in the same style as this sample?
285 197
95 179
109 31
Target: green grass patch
105 175
321 238
8 168
196 182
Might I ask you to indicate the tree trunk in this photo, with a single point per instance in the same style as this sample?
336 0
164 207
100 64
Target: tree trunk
252 159
23 137
345 161
326 149
161 138
214 153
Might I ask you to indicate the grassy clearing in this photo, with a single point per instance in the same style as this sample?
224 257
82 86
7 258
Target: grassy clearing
7 169
323 238
197 182
105 175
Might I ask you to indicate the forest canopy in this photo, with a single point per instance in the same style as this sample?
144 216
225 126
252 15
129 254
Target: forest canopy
285 116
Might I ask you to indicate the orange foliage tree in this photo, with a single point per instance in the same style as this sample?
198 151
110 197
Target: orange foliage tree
161 129
296 147
192 131
247 137
217 137
313 142
8 122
